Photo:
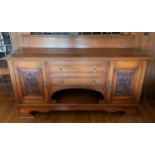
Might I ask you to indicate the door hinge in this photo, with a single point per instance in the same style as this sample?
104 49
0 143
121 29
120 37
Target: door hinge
46 85
109 85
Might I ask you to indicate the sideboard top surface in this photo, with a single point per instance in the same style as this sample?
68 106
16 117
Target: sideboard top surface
80 53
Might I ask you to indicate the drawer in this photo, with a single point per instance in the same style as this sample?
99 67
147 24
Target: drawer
127 64
77 68
77 81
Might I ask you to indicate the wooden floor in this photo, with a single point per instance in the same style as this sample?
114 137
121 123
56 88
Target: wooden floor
146 113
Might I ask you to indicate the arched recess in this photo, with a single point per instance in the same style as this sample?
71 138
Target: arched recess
77 95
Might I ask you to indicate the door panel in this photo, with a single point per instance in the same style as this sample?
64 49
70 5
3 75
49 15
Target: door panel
125 82
31 80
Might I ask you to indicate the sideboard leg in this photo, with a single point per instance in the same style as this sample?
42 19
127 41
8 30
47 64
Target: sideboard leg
22 113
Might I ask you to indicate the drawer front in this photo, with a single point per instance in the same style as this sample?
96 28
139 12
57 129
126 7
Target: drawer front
78 81
75 67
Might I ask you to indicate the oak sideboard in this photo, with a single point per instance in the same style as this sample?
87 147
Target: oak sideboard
114 75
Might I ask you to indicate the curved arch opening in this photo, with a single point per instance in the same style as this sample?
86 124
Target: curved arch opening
77 95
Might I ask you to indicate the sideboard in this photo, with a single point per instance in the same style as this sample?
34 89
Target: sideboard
39 75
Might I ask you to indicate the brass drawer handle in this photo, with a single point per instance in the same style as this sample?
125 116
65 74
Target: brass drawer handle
61 68
61 81
109 85
94 82
46 85
94 69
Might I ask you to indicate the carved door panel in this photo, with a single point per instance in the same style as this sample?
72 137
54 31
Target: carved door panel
31 80
126 76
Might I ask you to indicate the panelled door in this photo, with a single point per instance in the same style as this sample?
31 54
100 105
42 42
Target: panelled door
126 80
31 81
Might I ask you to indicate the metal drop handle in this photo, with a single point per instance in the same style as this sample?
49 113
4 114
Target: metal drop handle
61 68
46 85
94 68
61 81
109 85
94 82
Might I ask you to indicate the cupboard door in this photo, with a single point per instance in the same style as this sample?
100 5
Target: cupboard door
31 80
126 76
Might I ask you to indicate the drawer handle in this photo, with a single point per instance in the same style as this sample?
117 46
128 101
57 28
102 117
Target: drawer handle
61 81
109 85
61 68
94 82
46 85
94 68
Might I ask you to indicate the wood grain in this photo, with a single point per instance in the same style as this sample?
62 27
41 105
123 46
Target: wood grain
78 41
78 53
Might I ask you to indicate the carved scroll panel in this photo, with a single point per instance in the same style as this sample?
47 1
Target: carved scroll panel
31 82
123 83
